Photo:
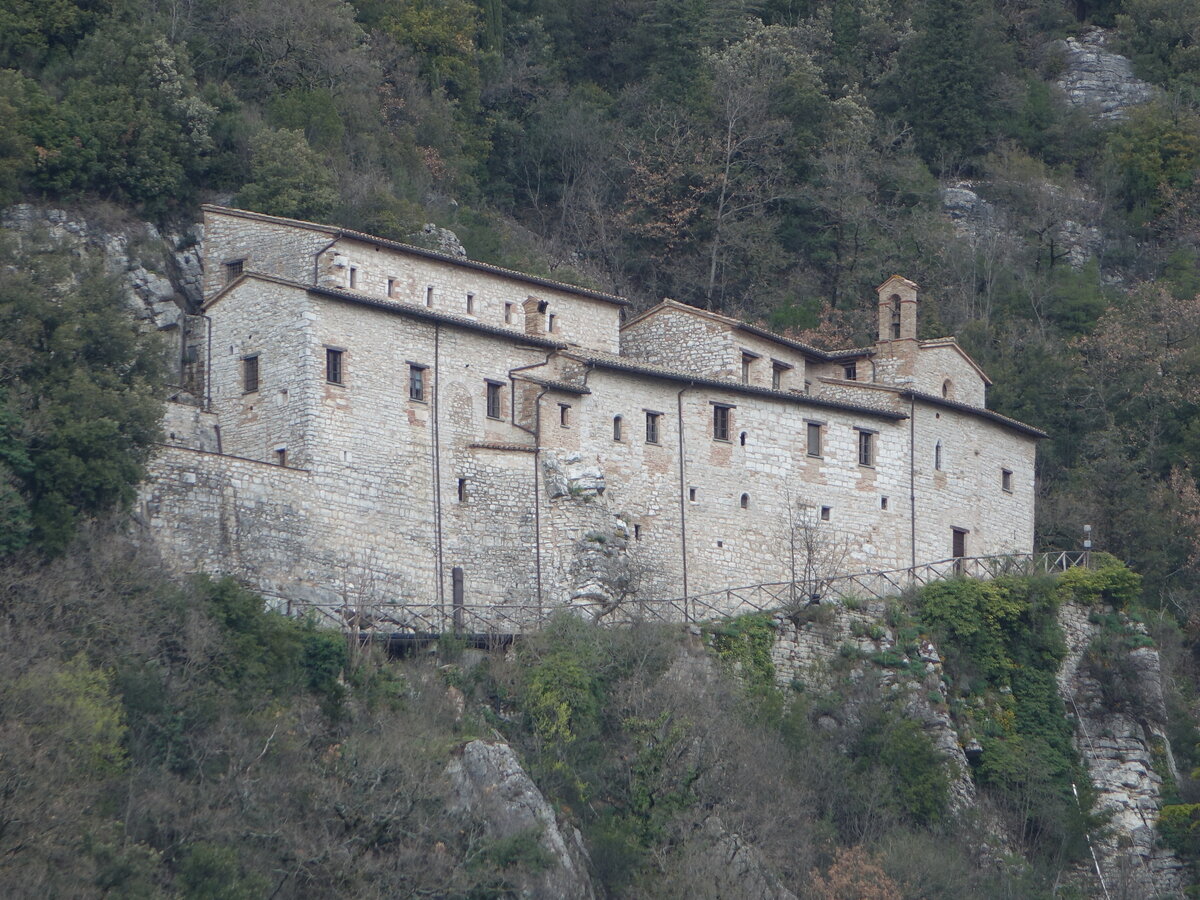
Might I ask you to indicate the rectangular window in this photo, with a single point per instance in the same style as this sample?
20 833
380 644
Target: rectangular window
825 510
850 370
550 323
353 277
883 502
747 359
471 304
814 438
391 286
233 270
462 490
249 374
1006 480
281 456
616 428
777 373
692 494
652 427
334 371
429 296
637 532
493 399
508 311
416 382
720 423
866 448
564 415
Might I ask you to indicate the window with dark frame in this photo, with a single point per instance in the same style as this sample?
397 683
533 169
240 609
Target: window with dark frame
429 296
234 269
416 382
825 511
493 399
249 374
550 323
850 371
391 286
866 448
652 427
745 501
617 422
462 490
1006 480
692 494
747 360
334 369
353 277
814 438
777 373
470 304
720 422
564 415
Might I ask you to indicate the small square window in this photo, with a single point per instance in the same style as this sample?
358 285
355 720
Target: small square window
249 374
652 427
233 270
825 510
493 399
334 369
814 438
416 382
720 423
1006 480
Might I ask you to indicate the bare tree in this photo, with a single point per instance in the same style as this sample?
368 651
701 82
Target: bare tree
816 554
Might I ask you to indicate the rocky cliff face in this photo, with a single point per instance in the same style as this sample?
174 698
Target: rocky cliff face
1117 701
489 784
1096 79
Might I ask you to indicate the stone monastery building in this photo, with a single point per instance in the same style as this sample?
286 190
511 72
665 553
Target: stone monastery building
386 424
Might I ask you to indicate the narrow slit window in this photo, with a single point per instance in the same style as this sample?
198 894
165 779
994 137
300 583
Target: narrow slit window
462 490
550 323
937 456
249 374
1006 480
637 532
508 313
429 296
471 304
335 370
617 422
744 502
391 287
747 360
564 415
353 277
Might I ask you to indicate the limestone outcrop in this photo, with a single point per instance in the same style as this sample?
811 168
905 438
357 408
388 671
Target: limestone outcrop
489 784
1096 79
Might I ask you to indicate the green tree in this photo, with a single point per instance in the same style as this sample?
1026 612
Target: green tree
287 177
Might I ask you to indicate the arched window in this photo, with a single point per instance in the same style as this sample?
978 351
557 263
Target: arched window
745 501
743 438
937 456
947 388
616 428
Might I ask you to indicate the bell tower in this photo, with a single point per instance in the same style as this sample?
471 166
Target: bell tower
897 310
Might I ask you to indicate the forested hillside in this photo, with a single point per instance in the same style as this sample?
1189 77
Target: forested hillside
771 160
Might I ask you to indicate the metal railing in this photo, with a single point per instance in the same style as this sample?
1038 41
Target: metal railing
482 620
